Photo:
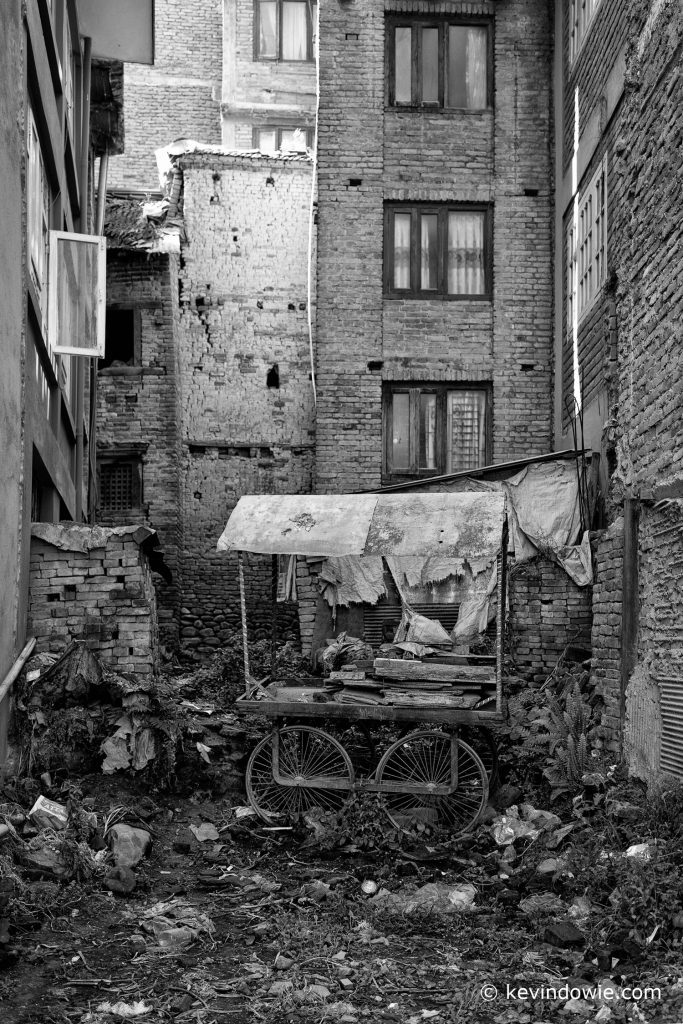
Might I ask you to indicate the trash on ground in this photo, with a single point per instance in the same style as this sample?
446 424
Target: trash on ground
175 923
205 832
49 814
128 844
640 851
434 897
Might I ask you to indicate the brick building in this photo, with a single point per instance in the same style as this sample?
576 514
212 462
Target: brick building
434 328
619 296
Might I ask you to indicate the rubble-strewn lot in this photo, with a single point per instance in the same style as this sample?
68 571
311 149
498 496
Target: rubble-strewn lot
157 895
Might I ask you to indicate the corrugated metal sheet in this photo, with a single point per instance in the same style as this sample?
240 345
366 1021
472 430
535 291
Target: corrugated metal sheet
466 525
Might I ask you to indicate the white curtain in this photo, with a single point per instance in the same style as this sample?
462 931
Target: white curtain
267 46
475 82
466 430
466 254
403 57
427 432
294 32
428 252
402 250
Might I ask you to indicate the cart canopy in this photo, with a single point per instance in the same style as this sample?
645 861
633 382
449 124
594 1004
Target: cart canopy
465 525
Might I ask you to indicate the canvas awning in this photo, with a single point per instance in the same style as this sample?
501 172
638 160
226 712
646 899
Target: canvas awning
464 525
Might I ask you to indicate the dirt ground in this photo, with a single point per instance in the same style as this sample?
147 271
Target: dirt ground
282 930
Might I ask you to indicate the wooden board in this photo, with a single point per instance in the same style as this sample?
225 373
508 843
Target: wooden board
364 712
397 668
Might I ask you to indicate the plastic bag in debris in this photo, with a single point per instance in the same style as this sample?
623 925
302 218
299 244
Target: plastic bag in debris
509 827
175 923
419 629
434 897
129 747
344 650
639 851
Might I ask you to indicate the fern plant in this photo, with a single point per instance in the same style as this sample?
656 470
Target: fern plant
568 731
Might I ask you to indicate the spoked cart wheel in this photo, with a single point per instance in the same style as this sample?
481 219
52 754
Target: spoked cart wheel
308 757
423 760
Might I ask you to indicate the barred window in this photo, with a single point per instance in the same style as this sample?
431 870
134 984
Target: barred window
587 247
120 484
580 16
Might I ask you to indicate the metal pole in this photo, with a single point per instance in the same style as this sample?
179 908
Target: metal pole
273 628
245 636
83 223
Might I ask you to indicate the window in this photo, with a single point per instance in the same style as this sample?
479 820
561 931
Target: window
121 339
433 250
120 484
284 30
438 63
435 428
271 138
587 248
68 76
38 210
77 289
580 16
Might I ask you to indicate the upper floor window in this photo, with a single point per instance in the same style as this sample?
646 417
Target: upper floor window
435 428
122 338
587 247
438 63
285 30
274 138
580 16
120 483
433 250
38 210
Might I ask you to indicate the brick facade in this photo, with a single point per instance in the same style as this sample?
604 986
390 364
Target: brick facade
246 396
548 613
176 97
606 632
370 154
138 411
96 585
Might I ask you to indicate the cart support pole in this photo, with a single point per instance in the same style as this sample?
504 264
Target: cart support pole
273 625
245 636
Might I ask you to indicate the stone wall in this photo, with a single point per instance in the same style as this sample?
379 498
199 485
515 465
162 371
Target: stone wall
138 411
247 402
548 613
606 633
370 154
176 97
94 584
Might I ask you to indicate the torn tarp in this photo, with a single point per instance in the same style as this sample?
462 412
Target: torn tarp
350 579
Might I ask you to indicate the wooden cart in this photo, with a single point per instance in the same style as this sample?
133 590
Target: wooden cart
436 772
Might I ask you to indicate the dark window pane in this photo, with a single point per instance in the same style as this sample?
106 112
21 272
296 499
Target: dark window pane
430 65
403 58
294 30
267 24
428 252
467 67
400 431
427 455
402 250
119 344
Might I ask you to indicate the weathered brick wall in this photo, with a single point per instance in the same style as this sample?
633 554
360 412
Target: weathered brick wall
176 97
648 254
101 594
259 92
247 402
548 612
606 632
500 156
139 405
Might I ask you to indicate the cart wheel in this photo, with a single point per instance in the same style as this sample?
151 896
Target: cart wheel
308 754
425 758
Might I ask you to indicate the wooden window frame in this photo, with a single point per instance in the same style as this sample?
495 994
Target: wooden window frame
415 389
279 129
584 259
130 457
310 33
442 23
581 15
442 210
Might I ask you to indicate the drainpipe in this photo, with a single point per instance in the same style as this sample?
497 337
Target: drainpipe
83 224
629 607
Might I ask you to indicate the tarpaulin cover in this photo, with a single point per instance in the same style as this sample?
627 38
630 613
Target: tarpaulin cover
72 537
463 525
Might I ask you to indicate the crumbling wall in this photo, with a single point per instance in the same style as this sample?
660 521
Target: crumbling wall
176 97
93 584
606 633
247 402
370 154
548 613
138 411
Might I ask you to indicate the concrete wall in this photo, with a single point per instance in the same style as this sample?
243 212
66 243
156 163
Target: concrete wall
246 396
369 154
177 97
11 340
139 406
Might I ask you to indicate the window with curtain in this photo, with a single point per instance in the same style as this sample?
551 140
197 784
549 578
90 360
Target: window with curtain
284 30
274 138
435 428
437 250
438 63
